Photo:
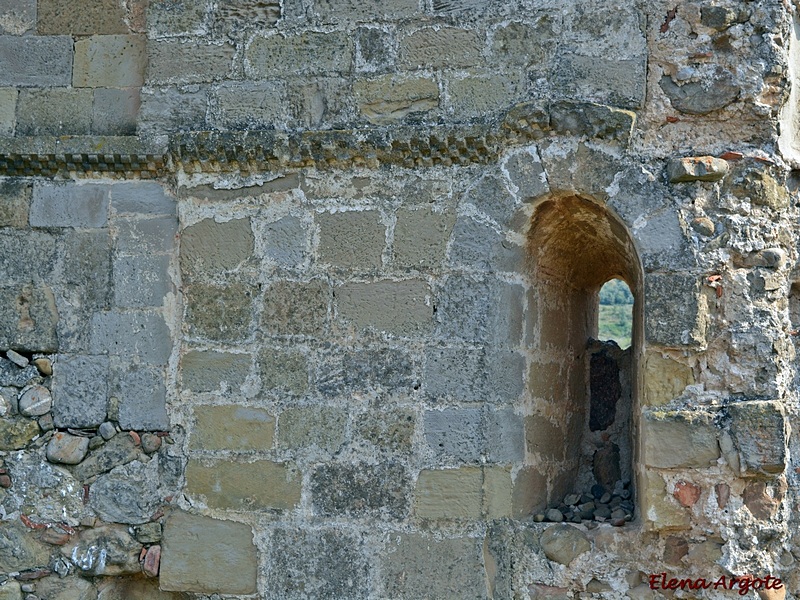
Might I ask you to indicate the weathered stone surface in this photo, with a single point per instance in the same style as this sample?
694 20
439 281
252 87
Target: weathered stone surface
17 17
339 10
10 590
391 431
168 18
283 370
714 92
69 205
696 168
15 434
28 318
545 437
318 563
15 195
110 61
67 449
449 494
127 494
660 510
675 315
258 485
379 369
398 307
360 490
611 81
107 550
564 543
8 118
759 433
141 198
19 550
315 426
205 371
115 111
665 378
56 588
481 246
209 248
418 565
35 60
443 47
172 109
146 236
125 588
472 376
764 500
205 555
312 52
286 241
296 308
141 397
232 428
179 61
119 450
220 313
686 493
420 237
141 281
352 240
57 17
593 121
389 98
455 433
478 95
679 439
12 375
80 391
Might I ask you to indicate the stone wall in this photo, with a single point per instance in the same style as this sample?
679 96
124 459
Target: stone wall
297 298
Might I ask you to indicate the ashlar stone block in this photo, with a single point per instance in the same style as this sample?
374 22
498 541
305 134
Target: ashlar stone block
206 370
323 427
398 307
179 61
312 52
359 490
420 237
69 205
296 308
80 391
679 439
95 17
758 429
17 16
35 61
257 485
8 110
220 312
209 248
110 61
205 555
351 240
28 318
675 310
141 394
54 111
389 98
442 47
232 428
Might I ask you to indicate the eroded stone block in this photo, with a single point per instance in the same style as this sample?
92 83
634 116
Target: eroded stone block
28 318
398 307
679 439
758 430
232 428
204 371
360 489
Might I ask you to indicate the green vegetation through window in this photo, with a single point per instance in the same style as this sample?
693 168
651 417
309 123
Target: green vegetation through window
615 319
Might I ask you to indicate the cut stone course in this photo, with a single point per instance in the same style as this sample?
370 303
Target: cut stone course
312 52
445 47
679 439
219 313
179 61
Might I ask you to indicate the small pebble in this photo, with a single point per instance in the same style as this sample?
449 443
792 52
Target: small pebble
538 518
17 359
46 422
107 430
618 522
5 481
67 449
150 443
703 226
35 401
151 561
553 515
602 512
625 494
571 499
88 522
598 490
44 365
618 514
96 442
28 587
605 498
149 533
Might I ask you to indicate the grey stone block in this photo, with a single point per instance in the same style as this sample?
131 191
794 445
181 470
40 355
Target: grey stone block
141 393
8 111
491 197
55 111
527 173
286 241
17 16
128 494
373 369
455 433
294 308
28 318
110 61
479 246
169 18
679 439
209 248
306 428
146 236
397 307
319 563
353 10
27 255
758 430
455 373
308 52
115 111
476 310
249 105
238 18
359 490
167 110
181 61
447 568
69 205
420 237
374 49
391 98
80 391
141 281
221 313
86 267
283 370
478 94
505 437
141 198
143 335
35 61
610 81
673 316
530 43
320 102
205 555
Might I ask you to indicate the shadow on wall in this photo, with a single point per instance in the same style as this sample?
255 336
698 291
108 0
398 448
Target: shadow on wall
580 426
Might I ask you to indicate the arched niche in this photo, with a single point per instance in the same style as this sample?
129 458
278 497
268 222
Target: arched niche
576 427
